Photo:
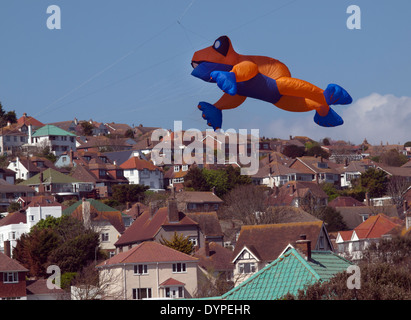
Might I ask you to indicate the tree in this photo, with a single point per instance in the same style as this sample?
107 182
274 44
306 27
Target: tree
293 151
332 218
129 134
13 207
87 128
124 193
178 242
317 151
374 182
393 158
195 180
6 117
61 241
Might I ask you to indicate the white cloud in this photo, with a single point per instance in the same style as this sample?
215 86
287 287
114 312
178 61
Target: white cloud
377 118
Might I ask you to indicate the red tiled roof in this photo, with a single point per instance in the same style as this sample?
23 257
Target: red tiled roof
376 226
14 218
40 287
146 227
146 252
139 164
345 202
219 258
171 282
9 264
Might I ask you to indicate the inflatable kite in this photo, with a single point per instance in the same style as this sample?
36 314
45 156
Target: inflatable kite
263 78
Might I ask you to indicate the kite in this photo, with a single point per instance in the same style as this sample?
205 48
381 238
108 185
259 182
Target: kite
262 78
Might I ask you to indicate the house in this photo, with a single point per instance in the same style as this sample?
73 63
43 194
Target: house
402 172
118 129
12 279
38 290
198 201
274 171
155 224
258 245
11 193
53 182
26 121
174 176
209 226
15 224
11 139
343 201
355 215
107 221
96 168
150 270
321 170
299 193
8 175
143 172
215 260
27 167
295 268
104 144
352 243
354 171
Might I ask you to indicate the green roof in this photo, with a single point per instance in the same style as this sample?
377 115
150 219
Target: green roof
50 130
49 176
98 205
288 274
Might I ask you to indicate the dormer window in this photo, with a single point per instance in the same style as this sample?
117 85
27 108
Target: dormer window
176 168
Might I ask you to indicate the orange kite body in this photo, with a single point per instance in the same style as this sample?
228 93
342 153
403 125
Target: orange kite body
263 78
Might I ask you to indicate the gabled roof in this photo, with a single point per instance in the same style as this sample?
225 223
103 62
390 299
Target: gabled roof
50 130
171 282
197 197
14 218
313 165
148 252
9 264
219 258
376 226
146 227
342 201
208 223
139 164
27 120
288 274
268 240
49 176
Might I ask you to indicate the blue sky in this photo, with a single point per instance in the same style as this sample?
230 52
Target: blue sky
128 61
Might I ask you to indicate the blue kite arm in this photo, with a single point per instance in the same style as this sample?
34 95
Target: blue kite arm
226 81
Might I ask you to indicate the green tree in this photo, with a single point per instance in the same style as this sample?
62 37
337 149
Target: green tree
374 182
124 193
61 241
195 180
317 151
393 158
6 117
13 207
129 134
178 242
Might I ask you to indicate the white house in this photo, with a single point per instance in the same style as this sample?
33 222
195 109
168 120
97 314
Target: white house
139 171
17 223
57 139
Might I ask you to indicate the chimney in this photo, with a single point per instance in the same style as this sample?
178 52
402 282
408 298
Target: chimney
304 246
30 139
367 199
7 248
86 213
172 210
152 208
407 221
207 248
405 206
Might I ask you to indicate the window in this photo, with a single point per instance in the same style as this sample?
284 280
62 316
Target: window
140 269
10 277
193 240
184 167
191 206
179 267
175 292
141 293
31 217
246 267
104 237
176 168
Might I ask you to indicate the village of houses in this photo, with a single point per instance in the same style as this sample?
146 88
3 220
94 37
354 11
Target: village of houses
258 261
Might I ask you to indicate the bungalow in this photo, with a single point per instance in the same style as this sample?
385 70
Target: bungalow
352 243
321 170
148 271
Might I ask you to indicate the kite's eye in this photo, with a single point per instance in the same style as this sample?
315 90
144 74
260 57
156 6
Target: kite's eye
221 45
